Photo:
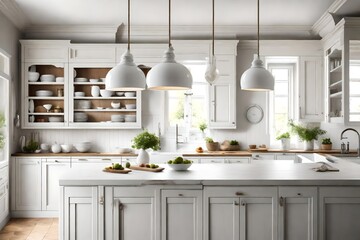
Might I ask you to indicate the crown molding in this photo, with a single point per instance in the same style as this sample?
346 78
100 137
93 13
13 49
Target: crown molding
14 13
328 20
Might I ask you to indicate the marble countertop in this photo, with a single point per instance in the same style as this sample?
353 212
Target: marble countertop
260 173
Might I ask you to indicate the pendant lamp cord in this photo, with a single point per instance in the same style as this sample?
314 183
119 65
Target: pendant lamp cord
128 42
213 27
258 28
169 23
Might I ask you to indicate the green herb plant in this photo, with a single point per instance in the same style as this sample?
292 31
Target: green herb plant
202 127
31 146
2 120
326 141
209 140
2 141
283 135
234 143
146 140
304 133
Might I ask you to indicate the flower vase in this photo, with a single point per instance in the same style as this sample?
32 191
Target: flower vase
285 143
143 157
309 145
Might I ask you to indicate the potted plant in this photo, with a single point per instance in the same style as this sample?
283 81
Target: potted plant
232 145
326 144
211 145
203 127
306 134
285 140
143 141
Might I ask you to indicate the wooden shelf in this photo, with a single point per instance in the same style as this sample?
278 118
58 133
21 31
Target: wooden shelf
336 95
104 98
336 119
46 98
45 83
89 83
336 84
105 110
336 69
46 114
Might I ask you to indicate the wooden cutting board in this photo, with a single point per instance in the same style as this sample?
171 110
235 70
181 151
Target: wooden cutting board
116 170
147 169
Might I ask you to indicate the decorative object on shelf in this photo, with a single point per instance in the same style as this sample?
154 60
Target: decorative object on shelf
66 148
203 127
31 106
83 146
143 141
32 118
33 76
115 105
47 78
56 148
106 93
285 140
254 114
58 109
60 92
232 145
326 144
126 75
211 72
59 79
252 146
33 143
169 74
95 91
47 107
257 78
43 93
306 134
130 94
211 145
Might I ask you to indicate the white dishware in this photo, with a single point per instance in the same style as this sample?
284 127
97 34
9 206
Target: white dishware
93 80
100 108
83 147
106 93
47 78
66 148
95 91
31 106
56 119
123 150
117 118
33 76
115 105
103 79
130 106
43 93
81 79
79 94
82 104
45 147
179 167
130 118
47 107
80 117
59 79
130 94
32 118
56 148
120 94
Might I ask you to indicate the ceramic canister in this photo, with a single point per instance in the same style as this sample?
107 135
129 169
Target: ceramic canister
95 91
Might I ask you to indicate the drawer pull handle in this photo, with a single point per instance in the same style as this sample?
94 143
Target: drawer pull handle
82 159
56 161
282 201
181 195
235 203
239 193
106 159
101 201
243 203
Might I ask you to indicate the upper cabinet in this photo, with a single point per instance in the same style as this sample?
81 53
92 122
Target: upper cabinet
44 51
342 69
92 53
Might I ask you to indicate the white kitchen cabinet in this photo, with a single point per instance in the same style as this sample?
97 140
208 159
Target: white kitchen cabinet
81 214
211 160
246 213
263 156
94 162
311 89
96 53
285 156
339 213
237 160
298 213
44 50
181 214
130 213
28 183
52 169
4 192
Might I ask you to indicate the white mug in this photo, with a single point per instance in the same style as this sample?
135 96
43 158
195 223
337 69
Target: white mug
95 91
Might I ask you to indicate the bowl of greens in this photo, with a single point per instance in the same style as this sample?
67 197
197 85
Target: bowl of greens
179 164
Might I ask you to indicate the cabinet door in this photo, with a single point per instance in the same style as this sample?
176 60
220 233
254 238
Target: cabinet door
339 213
28 184
130 213
52 169
45 51
181 214
238 160
298 213
286 156
212 160
257 156
80 213
92 53
311 101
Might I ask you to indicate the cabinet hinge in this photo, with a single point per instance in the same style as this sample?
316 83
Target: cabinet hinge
281 201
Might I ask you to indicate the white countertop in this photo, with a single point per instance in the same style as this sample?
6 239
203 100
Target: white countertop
259 173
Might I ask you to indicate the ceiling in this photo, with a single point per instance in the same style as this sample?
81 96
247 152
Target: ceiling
98 20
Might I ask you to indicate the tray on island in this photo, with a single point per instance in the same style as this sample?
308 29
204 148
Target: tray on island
160 169
110 170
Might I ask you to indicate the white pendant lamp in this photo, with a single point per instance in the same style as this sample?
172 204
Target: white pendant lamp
125 76
169 75
257 78
211 72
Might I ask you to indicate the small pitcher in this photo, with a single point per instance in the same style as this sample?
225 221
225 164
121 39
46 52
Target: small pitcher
95 91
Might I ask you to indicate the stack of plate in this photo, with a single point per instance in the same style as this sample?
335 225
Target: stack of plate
80 117
81 79
130 118
56 119
47 78
117 118
82 104
43 93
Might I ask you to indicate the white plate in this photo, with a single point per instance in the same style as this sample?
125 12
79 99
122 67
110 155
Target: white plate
81 79
44 93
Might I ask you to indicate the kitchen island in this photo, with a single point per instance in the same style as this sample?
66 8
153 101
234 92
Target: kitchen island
272 200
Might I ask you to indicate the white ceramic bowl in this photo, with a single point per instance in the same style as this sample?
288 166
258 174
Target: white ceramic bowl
130 94
115 105
130 106
33 76
119 94
130 118
79 94
102 79
83 147
93 80
43 93
45 147
66 148
59 79
106 93
81 79
180 167
47 78
123 150
56 119
117 118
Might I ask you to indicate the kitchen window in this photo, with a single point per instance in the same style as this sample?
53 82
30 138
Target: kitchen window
354 86
281 100
188 109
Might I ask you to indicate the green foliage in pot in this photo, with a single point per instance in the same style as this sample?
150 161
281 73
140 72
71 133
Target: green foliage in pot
2 141
283 135
234 143
2 120
146 140
304 133
209 140
326 141
202 127
31 147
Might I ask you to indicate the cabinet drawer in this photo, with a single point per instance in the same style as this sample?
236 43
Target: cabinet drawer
285 156
257 156
45 54
237 160
96 160
4 200
92 54
212 160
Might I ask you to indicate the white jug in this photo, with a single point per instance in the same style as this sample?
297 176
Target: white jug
95 91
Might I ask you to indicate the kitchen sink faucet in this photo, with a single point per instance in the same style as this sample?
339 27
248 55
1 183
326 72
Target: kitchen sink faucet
351 129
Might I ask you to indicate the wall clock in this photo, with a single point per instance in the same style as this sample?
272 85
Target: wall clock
254 114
